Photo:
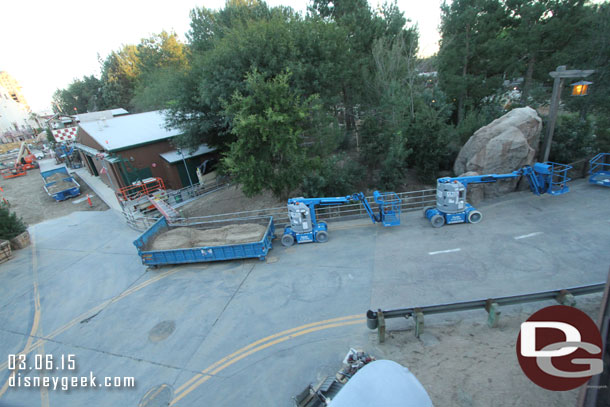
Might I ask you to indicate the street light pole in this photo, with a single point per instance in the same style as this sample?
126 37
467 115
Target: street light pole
559 75
186 167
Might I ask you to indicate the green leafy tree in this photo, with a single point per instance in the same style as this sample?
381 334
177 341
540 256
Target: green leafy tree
208 26
542 35
120 71
361 28
269 123
163 63
81 96
160 51
10 224
384 142
158 90
225 45
472 51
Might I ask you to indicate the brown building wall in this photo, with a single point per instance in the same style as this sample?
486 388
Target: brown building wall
140 157
145 156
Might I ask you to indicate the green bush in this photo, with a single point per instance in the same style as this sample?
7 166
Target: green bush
337 175
429 138
10 224
602 132
573 139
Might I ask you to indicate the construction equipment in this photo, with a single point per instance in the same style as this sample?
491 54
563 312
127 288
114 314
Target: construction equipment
370 383
69 156
58 183
451 206
305 228
600 169
13 172
140 189
27 161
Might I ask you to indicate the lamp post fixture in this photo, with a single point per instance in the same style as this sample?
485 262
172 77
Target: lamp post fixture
580 88
185 166
559 75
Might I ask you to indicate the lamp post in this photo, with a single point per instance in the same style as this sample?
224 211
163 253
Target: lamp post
185 166
558 75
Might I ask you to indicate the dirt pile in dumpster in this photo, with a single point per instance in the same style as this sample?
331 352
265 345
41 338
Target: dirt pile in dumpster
185 237
60 186
56 177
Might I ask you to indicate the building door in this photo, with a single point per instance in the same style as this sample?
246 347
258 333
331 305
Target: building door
192 168
91 165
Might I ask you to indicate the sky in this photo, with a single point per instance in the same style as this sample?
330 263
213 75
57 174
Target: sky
45 45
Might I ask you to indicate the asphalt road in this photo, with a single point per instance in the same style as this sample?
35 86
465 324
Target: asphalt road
256 333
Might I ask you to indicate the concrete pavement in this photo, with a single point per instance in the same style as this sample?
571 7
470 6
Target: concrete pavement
256 333
102 190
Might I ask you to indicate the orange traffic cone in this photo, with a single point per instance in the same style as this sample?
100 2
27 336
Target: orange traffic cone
89 201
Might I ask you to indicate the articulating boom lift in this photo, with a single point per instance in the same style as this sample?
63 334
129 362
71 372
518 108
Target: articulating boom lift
451 205
305 228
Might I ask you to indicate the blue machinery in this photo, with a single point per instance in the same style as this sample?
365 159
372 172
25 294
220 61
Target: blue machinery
451 206
600 169
305 228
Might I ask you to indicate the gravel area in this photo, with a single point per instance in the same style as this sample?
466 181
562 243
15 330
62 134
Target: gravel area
30 201
465 363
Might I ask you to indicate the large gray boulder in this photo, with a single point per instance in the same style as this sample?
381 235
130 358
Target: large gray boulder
505 145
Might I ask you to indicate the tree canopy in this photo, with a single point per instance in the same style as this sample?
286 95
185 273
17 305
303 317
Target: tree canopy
337 98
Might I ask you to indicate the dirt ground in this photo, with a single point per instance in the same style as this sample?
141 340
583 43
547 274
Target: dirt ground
183 237
227 200
466 363
29 200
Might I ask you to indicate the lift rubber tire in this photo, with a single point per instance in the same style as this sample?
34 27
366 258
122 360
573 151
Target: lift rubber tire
475 217
322 237
426 210
437 221
287 240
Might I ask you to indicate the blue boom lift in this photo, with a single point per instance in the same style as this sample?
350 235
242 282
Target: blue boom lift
305 228
600 169
451 205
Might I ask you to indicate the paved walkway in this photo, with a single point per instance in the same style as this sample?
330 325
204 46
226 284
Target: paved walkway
102 190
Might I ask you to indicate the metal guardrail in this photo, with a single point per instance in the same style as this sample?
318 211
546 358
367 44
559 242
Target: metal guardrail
412 200
376 320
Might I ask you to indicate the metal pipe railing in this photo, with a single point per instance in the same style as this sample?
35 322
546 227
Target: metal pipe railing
478 304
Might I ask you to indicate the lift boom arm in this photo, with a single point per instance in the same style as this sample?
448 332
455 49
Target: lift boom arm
313 202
